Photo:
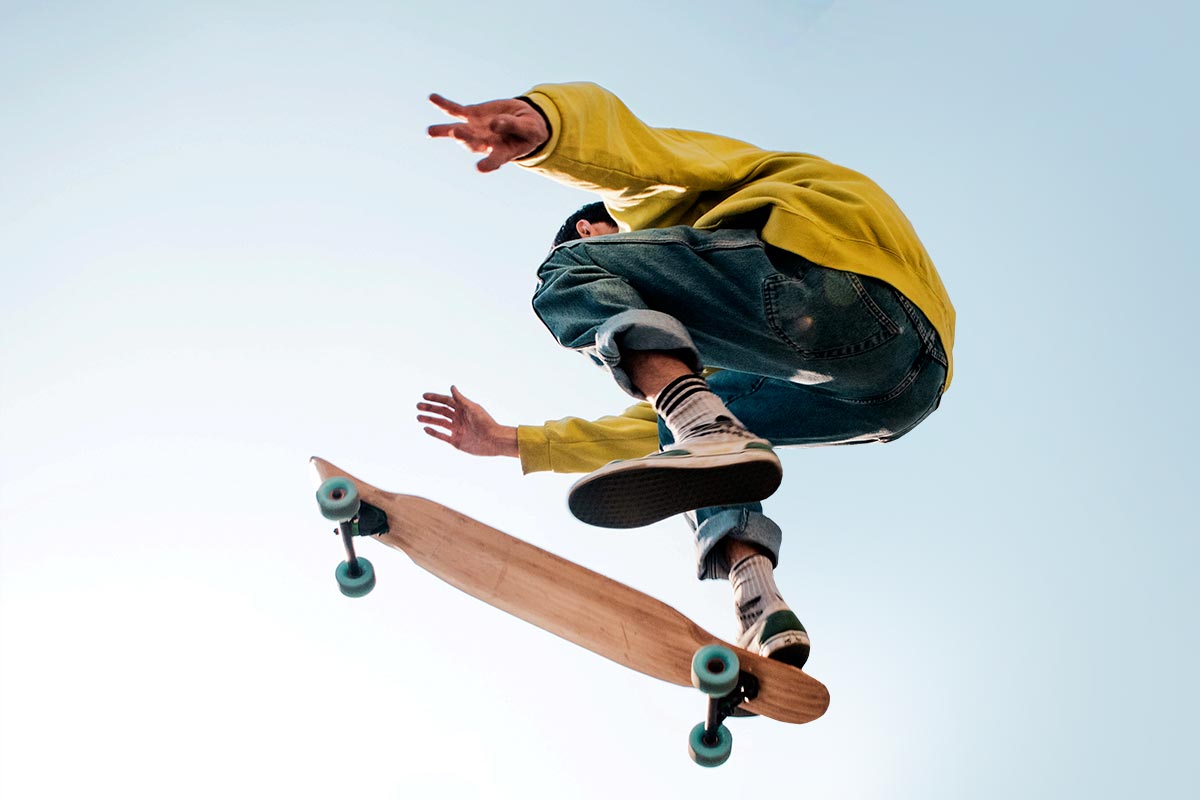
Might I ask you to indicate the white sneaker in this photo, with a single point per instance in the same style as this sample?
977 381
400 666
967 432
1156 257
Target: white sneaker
779 636
718 464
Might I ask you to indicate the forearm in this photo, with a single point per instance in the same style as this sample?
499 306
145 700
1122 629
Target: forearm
574 445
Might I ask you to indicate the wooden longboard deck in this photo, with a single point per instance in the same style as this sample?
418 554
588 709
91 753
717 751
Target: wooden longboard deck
571 601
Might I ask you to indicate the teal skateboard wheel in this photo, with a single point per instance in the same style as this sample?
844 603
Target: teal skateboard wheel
710 751
715 670
338 499
356 585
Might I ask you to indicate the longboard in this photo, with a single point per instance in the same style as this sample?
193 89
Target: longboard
562 597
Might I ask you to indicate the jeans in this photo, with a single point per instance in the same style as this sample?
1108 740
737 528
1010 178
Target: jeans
808 355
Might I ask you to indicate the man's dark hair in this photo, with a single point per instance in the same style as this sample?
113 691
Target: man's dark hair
592 212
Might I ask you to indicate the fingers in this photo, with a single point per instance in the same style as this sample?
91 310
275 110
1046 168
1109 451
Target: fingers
440 427
440 410
446 409
445 437
443 131
449 106
461 133
449 412
454 130
493 162
437 398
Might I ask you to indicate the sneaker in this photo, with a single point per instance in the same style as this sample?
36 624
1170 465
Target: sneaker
779 636
718 464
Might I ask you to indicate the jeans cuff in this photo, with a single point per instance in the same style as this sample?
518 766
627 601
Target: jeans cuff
640 329
741 524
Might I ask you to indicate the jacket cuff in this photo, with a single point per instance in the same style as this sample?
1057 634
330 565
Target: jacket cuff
544 106
533 447
549 128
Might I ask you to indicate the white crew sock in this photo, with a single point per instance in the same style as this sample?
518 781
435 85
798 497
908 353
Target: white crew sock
754 591
687 404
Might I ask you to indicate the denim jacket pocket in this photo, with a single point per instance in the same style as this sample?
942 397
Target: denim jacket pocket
825 313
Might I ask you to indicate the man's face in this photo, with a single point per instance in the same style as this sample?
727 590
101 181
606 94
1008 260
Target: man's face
587 229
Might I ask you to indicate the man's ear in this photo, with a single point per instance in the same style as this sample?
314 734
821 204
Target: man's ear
583 228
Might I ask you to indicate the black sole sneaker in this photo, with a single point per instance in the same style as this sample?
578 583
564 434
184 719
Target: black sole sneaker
642 491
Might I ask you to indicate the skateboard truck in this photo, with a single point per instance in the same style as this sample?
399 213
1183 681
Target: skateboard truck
339 501
731 705
716 672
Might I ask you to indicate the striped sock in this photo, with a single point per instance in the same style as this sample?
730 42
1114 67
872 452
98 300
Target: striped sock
754 589
687 403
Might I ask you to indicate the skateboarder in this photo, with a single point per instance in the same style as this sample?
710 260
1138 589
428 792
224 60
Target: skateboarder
751 298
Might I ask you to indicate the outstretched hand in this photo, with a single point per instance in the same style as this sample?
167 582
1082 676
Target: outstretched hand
504 129
466 425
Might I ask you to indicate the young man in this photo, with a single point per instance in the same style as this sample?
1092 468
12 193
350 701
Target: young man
800 282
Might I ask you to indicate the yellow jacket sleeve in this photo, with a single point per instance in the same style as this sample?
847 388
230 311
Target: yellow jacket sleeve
648 177
578 445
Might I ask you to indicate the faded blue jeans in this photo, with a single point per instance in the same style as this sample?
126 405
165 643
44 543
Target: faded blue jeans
808 355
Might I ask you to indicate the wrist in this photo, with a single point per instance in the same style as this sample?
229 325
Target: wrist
506 441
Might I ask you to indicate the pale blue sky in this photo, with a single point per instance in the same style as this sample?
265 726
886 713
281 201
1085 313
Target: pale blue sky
211 213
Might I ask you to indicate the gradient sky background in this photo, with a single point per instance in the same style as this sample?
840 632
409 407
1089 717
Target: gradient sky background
227 245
